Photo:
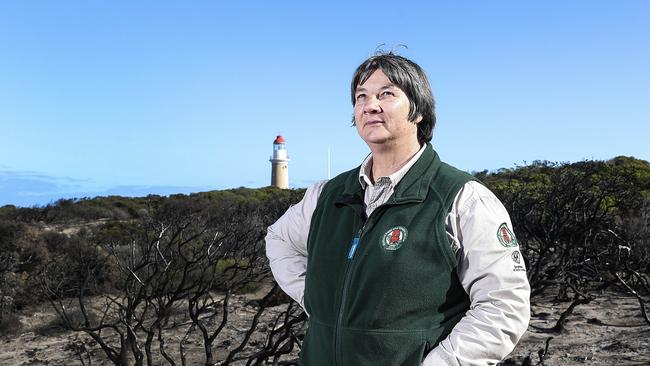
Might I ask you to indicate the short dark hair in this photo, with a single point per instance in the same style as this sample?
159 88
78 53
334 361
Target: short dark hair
411 79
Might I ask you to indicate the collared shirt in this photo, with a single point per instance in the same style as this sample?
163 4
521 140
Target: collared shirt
378 193
492 274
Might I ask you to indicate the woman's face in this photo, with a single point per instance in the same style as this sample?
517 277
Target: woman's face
381 112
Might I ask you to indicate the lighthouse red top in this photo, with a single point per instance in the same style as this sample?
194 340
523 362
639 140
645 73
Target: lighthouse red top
279 140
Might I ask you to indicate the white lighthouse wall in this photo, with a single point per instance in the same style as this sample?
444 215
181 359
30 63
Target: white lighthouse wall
280 175
280 154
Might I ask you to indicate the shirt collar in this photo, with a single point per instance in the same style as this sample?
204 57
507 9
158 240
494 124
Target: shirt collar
366 169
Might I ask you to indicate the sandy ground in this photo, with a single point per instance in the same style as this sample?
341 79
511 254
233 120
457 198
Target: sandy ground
607 331
60 347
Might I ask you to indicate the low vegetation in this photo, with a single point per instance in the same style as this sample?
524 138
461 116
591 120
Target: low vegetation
128 271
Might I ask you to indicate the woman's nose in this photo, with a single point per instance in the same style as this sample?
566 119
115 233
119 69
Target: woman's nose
372 105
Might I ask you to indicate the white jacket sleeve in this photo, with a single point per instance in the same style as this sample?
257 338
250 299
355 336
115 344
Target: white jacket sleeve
492 272
286 244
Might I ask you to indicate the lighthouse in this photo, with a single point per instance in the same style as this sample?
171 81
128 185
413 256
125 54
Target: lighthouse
279 164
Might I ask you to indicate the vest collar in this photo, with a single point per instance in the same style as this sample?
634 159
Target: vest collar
413 187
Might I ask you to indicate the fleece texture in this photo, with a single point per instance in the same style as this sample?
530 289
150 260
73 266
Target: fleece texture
383 290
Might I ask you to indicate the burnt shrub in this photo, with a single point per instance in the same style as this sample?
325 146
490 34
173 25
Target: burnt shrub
10 324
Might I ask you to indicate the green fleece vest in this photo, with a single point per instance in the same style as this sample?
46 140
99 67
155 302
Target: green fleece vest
383 290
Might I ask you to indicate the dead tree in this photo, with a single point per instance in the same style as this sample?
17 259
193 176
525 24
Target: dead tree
567 217
178 270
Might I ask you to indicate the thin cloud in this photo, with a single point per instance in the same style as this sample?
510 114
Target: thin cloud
25 188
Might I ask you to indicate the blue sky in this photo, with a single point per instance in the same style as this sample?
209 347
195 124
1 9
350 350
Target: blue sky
138 97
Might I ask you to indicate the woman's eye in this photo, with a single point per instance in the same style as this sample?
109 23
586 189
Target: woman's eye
360 96
387 93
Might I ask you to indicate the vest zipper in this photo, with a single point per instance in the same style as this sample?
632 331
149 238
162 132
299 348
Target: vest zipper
351 254
346 283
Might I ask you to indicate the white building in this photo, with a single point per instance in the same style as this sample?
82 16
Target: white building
279 164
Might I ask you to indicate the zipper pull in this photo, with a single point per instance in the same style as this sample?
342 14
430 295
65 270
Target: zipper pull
353 248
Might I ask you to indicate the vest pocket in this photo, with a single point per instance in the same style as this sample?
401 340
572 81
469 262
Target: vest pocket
382 348
317 348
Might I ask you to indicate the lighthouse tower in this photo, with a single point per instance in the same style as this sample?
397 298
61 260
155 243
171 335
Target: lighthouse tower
279 164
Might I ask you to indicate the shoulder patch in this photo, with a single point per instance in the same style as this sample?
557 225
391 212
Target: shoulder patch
506 236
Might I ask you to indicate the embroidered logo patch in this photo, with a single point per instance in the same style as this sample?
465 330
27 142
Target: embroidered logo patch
516 257
394 238
506 236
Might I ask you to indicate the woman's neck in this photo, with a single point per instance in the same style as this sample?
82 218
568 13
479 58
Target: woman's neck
388 160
